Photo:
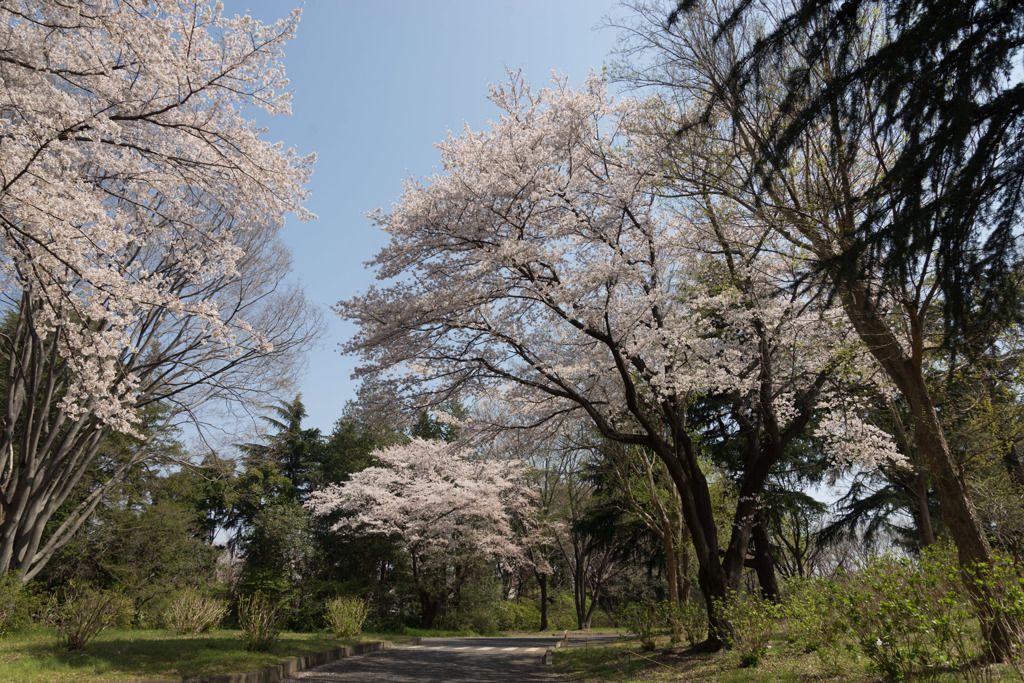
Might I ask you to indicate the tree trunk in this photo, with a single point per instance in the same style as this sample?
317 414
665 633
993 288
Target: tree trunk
579 591
763 563
924 515
429 608
542 579
923 511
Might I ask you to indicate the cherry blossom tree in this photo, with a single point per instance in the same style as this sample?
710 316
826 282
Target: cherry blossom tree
441 500
139 210
546 269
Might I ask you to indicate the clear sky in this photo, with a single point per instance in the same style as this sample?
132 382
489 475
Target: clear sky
375 84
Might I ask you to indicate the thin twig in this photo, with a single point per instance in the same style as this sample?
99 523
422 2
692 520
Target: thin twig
674 668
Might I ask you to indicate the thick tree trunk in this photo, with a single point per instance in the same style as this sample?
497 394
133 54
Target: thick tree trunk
685 582
717 576
698 514
579 591
589 616
429 609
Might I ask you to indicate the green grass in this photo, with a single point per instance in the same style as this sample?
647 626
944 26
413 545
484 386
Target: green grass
132 655
435 633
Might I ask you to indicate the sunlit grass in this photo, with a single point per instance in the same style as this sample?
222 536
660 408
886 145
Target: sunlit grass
132 655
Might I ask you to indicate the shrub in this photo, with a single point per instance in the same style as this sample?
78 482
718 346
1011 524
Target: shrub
345 616
692 617
816 609
517 616
16 605
81 612
259 622
561 611
643 619
912 619
752 619
192 612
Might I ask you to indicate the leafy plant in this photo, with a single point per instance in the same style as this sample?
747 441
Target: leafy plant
258 618
192 612
82 611
15 603
643 619
815 609
752 619
693 620
913 619
1000 595
517 616
345 616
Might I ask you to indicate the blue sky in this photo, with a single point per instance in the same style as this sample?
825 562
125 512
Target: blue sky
375 84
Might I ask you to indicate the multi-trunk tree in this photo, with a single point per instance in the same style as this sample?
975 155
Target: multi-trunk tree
546 269
139 211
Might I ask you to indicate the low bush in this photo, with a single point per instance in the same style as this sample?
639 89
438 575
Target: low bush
752 619
913 619
258 619
643 619
1000 592
816 610
192 612
80 612
561 611
517 616
692 617
345 616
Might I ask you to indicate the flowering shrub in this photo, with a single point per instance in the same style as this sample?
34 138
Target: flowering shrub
816 610
191 612
693 620
15 603
517 616
345 616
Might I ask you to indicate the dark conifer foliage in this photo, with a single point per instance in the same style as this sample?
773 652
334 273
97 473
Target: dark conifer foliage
945 79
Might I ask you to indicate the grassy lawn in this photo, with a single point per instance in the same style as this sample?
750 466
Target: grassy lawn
785 662
132 655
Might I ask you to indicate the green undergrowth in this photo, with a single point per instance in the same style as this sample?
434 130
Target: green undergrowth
133 655
625 661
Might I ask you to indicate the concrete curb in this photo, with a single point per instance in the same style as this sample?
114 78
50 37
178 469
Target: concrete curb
279 672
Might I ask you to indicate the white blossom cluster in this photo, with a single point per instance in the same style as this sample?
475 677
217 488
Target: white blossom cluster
440 499
129 174
546 266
